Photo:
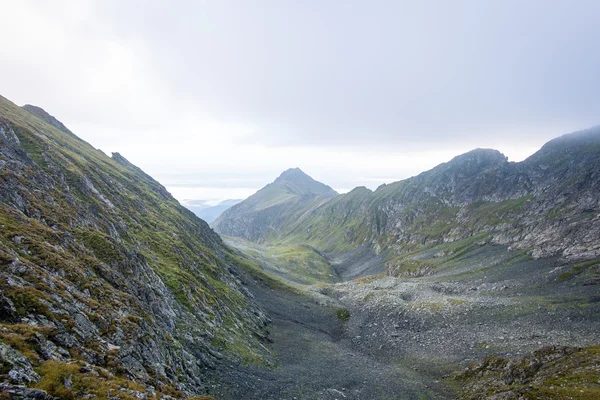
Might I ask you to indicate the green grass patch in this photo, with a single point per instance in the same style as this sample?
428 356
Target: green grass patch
343 314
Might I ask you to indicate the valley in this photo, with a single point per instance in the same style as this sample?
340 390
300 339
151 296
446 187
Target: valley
476 258
409 337
478 278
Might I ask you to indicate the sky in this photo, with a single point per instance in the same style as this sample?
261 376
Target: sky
216 98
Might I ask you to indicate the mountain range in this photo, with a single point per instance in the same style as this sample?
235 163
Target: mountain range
548 205
476 279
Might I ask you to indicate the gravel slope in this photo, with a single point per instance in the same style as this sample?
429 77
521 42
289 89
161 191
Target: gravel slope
406 335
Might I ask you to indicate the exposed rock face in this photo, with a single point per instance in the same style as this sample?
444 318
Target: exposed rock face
548 204
17 392
288 199
101 268
17 367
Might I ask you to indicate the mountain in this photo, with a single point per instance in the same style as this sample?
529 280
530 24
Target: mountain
547 205
108 284
291 197
210 213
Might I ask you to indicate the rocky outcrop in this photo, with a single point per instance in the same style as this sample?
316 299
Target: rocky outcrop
44 116
16 366
16 392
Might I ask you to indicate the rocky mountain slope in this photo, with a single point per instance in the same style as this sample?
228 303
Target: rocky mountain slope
108 287
548 204
291 197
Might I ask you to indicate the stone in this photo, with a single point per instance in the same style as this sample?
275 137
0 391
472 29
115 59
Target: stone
20 368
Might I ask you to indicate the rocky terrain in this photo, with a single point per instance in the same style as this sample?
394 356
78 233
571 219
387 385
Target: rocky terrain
108 287
384 336
550 372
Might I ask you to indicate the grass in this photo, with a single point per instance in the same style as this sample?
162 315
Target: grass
71 381
578 269
302 264
295 264
343 314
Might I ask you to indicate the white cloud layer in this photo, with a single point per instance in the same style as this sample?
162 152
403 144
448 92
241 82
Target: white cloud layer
216 98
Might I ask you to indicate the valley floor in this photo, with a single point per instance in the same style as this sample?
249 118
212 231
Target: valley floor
318 360
404 338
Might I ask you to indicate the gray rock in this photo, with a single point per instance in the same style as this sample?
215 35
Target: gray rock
8 312
23 393
20 368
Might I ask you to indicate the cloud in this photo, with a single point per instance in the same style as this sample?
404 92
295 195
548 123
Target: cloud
386 72
202 93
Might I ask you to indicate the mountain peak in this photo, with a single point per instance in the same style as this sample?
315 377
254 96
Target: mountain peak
298 182
480 156
292 174
571 141
262 213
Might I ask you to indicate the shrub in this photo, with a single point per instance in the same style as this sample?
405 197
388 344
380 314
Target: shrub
343 314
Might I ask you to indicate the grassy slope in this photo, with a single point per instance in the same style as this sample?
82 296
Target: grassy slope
296 264
85 214
334 227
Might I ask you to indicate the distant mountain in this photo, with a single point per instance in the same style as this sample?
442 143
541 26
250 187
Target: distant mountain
547 205
288 199
196 206
210 213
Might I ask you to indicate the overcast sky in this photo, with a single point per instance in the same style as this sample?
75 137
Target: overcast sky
216 98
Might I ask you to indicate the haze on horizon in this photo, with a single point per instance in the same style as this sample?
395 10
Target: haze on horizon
216 98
